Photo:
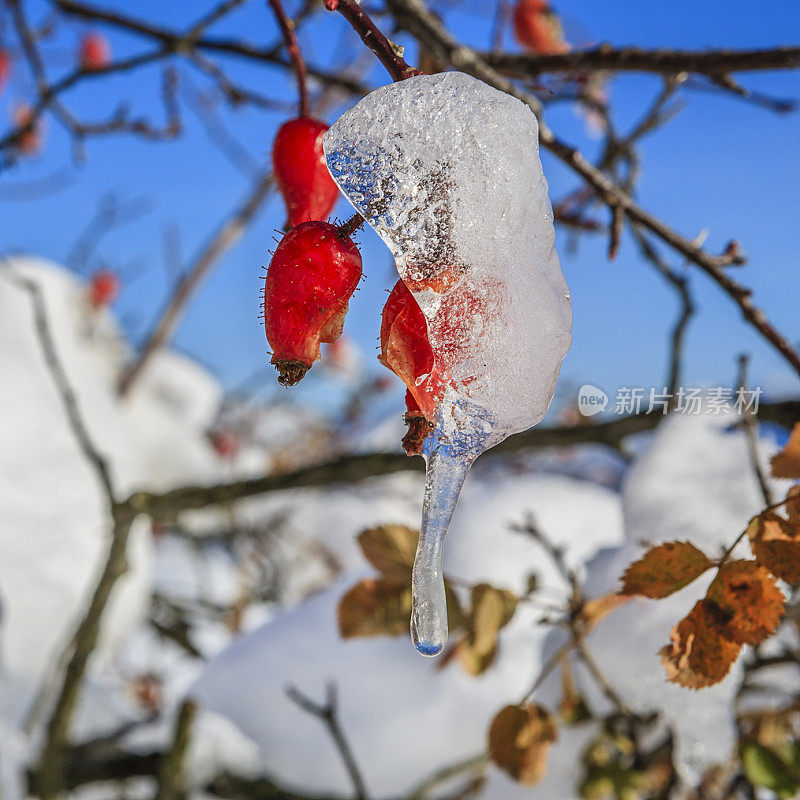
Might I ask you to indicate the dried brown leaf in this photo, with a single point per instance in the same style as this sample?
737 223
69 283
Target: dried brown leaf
375 607
492 609
390 549
665 569
786 464
597 609
519 741
745 602
775 543
698 656
793 505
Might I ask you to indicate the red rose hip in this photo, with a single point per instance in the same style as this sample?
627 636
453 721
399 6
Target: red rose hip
103 289
406 351
301 174
538 29
310 280
95 52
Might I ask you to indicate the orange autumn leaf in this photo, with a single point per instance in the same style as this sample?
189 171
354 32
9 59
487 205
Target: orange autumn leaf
519 741
697 655
745 602
776 545
786 464
665 569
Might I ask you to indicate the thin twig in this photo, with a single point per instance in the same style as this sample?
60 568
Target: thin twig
751 430
228 234
387 53
287 29
328 713
172 779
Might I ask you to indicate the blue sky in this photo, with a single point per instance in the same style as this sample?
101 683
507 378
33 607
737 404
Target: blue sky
722 166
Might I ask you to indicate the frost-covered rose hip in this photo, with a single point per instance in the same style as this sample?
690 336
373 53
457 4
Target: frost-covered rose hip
95 52
103 289
538 28
405 349
315 270
299 166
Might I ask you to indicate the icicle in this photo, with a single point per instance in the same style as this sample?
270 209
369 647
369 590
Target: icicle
445 474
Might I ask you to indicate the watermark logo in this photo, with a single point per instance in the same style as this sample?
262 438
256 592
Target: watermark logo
684 400
591 400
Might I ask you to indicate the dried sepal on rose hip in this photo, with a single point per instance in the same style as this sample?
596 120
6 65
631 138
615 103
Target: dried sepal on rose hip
298 163
406 351
313 274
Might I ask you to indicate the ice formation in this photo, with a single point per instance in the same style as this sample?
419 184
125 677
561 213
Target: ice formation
446 169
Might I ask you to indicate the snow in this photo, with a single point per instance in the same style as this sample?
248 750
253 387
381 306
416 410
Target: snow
403 715
694 482
447 171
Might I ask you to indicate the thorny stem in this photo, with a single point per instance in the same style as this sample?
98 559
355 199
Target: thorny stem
350 226
292 45
386 52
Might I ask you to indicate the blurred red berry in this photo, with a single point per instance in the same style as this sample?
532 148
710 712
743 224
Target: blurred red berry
29 142
95 52
309 282
5 68
538 28
300 171
226 443
103 289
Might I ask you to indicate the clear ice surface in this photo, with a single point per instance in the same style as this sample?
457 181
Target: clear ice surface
446 169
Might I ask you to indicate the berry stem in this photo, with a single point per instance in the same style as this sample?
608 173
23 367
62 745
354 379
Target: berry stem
350 226
370 34
292 45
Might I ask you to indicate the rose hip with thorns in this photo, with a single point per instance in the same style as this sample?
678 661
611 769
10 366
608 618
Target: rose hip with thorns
314 272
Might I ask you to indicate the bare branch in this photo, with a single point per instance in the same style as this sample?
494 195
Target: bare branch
417 19
328 713
172 783
635 59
